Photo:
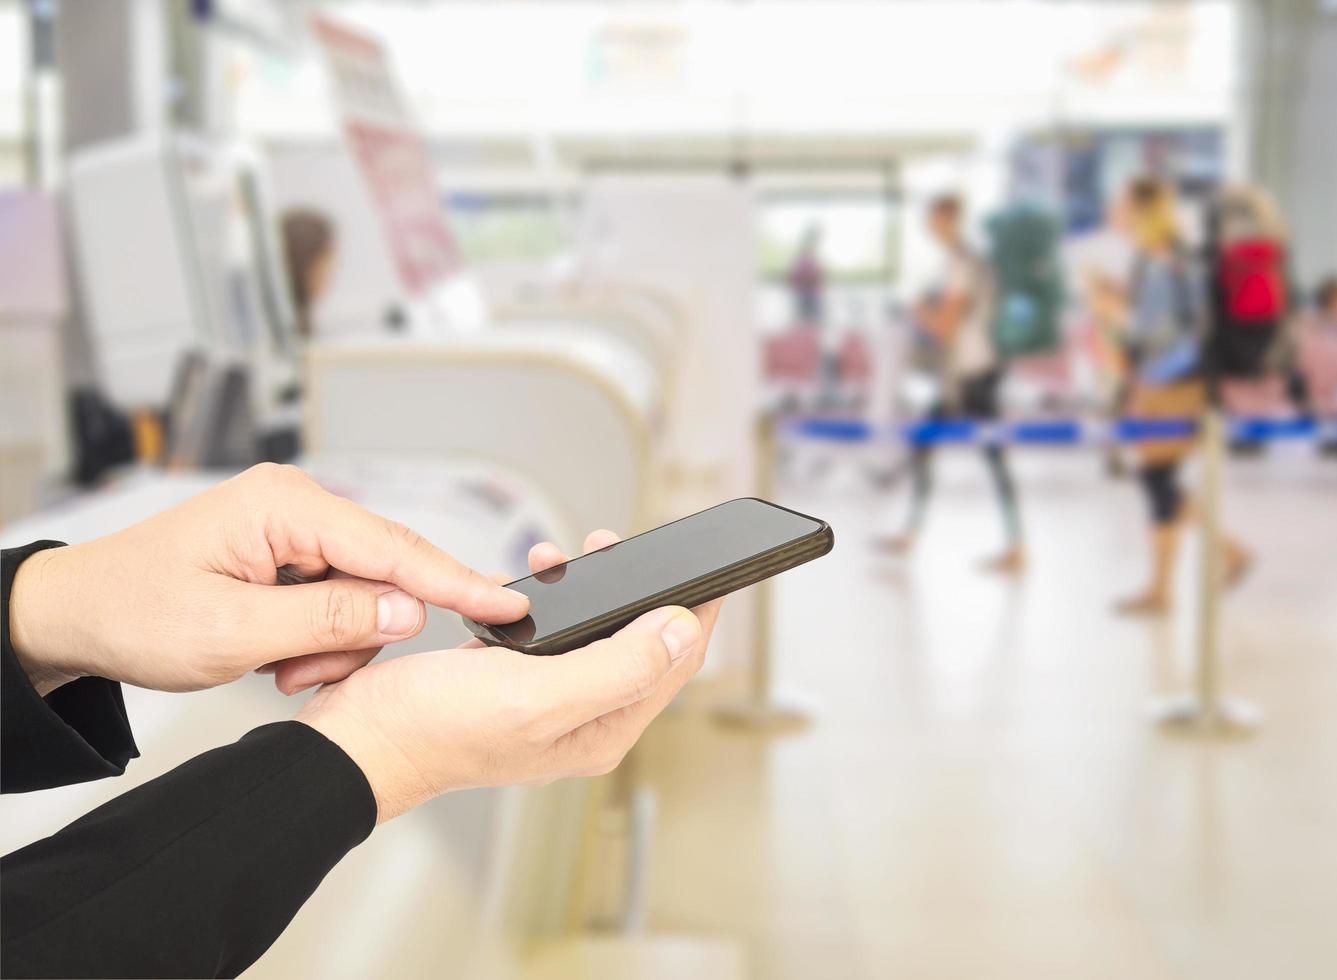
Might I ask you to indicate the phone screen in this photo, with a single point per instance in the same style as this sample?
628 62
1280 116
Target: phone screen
587 587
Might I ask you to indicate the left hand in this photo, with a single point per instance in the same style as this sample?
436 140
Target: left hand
426 724
546 555
195 596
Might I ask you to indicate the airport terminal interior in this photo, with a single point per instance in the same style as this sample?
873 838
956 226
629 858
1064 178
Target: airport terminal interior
1034 302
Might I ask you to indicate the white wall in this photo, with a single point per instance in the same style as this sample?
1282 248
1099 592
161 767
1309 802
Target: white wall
1289 121
841 67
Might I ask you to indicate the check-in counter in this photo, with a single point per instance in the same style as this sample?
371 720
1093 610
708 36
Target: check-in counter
567 410
648 319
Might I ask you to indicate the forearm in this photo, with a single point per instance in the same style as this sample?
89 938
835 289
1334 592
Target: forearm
193 874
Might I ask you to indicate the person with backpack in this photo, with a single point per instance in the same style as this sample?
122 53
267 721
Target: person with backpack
1249 282
956 316
1028 279
1166 313
1251 349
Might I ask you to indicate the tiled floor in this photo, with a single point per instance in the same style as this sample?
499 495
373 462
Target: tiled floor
980 792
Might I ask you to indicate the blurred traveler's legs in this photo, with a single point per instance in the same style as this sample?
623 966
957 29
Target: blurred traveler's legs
920 466
1013 556
1236 558
921 488
979 400
1159 476
1166 503
1170 508
1171 511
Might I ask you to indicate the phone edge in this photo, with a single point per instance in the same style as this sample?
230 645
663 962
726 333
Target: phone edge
712 586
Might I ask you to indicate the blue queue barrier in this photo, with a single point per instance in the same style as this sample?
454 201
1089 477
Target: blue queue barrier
1204 709
1052 432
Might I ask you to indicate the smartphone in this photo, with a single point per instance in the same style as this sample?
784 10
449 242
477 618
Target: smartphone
685 563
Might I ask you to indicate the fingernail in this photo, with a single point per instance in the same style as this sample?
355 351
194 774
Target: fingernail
680 634
266 669
397 613
519 594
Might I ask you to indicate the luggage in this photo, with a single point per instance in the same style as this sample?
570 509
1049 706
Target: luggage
1251 275
1251 302
1028 281
1247 260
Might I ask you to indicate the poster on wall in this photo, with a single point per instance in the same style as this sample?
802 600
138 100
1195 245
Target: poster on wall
391 155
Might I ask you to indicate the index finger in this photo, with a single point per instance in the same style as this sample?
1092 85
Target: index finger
369 546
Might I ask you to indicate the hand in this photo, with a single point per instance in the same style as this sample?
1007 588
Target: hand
423 725
194 597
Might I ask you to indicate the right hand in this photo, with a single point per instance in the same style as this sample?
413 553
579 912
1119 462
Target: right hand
426 724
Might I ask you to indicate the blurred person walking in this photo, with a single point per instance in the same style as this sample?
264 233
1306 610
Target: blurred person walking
1167 312
956 315
1252 337
807 279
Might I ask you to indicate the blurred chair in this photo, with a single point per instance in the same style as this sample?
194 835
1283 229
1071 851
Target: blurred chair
1317 363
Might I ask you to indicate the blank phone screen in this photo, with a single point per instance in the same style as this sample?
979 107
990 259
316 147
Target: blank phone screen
587 587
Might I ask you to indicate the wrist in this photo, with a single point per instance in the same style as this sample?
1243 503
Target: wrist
395 784
39 627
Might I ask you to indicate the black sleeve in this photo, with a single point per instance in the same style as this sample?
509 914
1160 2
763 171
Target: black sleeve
193 874
78 732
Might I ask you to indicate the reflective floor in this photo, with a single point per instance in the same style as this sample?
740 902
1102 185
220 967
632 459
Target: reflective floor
980 792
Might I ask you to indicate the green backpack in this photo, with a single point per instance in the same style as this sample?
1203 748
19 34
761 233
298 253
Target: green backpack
1028 281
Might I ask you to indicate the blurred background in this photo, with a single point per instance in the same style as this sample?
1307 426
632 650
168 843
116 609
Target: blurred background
1032 300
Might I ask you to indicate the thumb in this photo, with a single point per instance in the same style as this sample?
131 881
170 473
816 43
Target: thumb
334 615
625 668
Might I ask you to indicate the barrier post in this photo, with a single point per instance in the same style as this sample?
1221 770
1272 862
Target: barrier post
1205 709
757 710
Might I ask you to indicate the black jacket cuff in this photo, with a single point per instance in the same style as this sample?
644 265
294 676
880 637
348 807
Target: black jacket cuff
80 731
194 873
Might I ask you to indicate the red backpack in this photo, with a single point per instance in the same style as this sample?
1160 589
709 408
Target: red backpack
1252 278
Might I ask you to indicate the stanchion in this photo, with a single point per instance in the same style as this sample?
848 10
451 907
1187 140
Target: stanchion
1205 709
757 710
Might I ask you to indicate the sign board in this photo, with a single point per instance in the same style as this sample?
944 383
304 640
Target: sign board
391 155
